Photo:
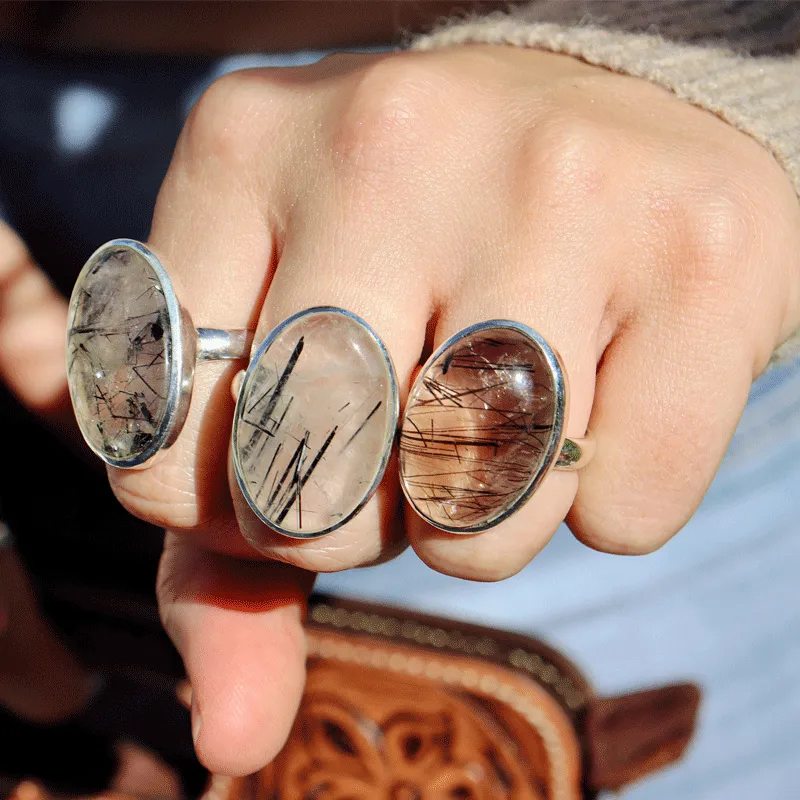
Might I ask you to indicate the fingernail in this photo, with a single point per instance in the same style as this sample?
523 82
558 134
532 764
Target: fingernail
197 723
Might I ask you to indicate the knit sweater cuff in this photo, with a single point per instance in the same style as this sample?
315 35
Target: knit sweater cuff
759 95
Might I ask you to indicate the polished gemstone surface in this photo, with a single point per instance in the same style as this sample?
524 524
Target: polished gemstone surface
315 422
478 428
118 353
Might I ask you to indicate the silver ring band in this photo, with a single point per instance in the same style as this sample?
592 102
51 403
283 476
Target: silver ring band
575 453
215 344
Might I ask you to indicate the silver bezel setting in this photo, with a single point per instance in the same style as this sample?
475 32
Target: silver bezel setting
181 355
243 391
555 440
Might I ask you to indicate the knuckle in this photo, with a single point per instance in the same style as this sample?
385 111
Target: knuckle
634 505
494 572
356 544
733 248
321 559
156 496
566 157
709 229
387 117
628 528
222 124
470 560
719 229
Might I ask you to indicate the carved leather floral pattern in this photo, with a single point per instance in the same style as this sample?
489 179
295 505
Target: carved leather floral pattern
415 742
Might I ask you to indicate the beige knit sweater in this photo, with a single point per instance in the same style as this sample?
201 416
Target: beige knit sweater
737 59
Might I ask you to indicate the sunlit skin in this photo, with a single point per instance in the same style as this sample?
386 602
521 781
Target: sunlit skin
650 243
424 193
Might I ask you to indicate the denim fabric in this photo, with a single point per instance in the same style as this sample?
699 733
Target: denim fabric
84 144
719 604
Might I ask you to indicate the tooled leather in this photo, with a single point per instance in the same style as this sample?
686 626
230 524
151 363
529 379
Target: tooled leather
544 731
522 653
631 736
382 722
405 706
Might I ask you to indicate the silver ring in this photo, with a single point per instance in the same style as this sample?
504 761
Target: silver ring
131 354
315 422
483 426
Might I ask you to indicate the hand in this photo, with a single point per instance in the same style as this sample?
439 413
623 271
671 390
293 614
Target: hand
654 246
33 317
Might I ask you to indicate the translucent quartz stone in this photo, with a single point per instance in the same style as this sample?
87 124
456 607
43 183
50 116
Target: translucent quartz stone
478 429
315 422
118 353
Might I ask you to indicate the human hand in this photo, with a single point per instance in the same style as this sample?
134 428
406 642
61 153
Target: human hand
32 320
654 246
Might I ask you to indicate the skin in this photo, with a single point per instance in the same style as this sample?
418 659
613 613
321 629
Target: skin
653 245
425 192
33 316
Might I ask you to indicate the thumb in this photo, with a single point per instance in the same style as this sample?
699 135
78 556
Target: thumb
238 626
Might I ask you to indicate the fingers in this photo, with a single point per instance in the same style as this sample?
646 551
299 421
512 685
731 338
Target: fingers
357 263
671 388
214 228
418 216
662 424
661 420
238 627
662 309
32 320
570 326
675 378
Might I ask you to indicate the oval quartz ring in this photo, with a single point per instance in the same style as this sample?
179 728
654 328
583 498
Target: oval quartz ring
124 364
483 425
131 354
316 417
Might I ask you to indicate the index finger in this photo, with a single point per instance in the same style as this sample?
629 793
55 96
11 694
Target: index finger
214 229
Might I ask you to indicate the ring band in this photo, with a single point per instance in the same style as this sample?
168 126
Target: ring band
215 344
575 453
484 425
131 354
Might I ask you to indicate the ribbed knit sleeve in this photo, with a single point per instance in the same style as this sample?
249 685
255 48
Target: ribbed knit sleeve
736 60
